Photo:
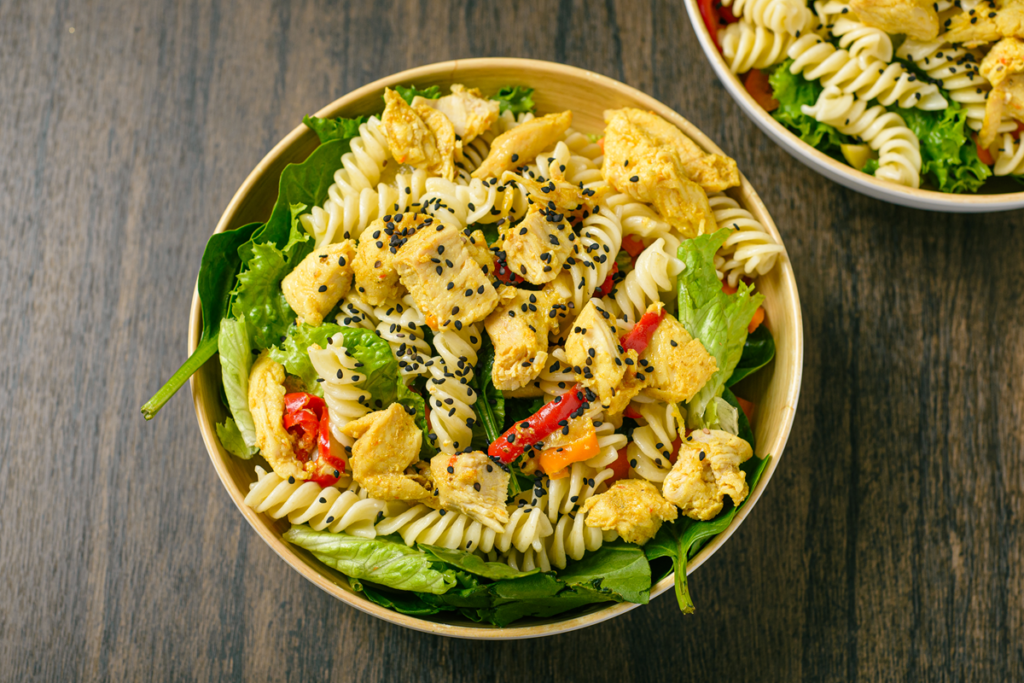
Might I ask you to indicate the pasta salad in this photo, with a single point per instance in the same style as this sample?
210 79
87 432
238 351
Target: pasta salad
482 361
917 93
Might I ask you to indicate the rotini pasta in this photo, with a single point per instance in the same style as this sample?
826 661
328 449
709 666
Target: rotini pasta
655 272
749 250
401 325
651 448
452 398
746 47
789 16
860 40
1009 157
339 374
356 313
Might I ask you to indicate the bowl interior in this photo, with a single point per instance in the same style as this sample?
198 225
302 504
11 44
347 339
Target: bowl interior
557 87
999 194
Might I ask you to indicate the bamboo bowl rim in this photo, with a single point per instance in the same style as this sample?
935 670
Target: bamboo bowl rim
929 200
203 386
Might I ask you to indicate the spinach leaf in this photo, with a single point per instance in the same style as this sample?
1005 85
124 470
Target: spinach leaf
618 568
334 129
379 560
518 409
402 602
717 319
217 274
490 232
235 362
745 432
514 98
681 540
758 351
490 402
474 564
409 92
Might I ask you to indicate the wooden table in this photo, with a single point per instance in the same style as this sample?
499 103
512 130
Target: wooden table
890 545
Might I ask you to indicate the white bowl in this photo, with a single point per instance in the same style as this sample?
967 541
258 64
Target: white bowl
836 170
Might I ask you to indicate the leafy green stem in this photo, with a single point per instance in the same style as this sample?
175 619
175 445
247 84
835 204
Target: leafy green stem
203 353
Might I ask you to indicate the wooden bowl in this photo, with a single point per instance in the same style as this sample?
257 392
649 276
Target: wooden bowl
1000 194
557 87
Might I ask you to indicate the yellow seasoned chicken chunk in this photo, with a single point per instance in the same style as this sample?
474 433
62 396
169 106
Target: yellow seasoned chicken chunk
521 144
481 253
470 113
677 364
538 246
707 470
472 484
320 281
594 351
421 137
1003 66
387 443
639 165
519 328
633 508
447 284
554 194
986 23
713 172
917 19
376 278
266 403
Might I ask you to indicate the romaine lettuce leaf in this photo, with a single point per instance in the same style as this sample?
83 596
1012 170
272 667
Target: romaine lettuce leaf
514 98
409 92
235 362
258 297
379 560
717 319
232 440
949 158
794 91
474 564
334 129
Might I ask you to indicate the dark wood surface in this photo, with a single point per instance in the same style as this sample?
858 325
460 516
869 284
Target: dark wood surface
890 545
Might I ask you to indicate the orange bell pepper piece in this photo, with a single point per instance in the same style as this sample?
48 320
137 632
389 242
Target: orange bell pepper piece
555 462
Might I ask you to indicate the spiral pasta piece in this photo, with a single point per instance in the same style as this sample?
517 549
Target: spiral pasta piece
655 272
1009 157
454 530
609 444
868 79
789 16
899 159
478 201
401 326
557 377
451 396
860 39
749 251
304 502
651 448
356 313
339 374
746 47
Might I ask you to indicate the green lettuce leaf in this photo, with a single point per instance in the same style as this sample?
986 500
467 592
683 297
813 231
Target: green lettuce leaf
758 351
379 560
232 440
794 91
258 296
717 319
949 158
235 362
744 431
490 403
474 564
617 568
514 98
409 92
682 539
334 129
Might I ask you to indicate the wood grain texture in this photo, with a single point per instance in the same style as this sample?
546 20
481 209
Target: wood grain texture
888 547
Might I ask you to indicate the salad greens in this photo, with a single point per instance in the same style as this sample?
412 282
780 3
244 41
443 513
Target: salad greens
334 129
514 98
949 157
235 361
758 351
793 91
409 92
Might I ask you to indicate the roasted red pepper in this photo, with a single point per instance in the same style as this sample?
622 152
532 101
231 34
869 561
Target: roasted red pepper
553 415
620 467
504 274
609 283
640 336
306 417
715 15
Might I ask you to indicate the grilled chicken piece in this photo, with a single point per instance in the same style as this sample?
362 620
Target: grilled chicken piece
473 485
387 443
986 23
320 281
481 253
470 113
555 194
266 403
633 508
421 137
918 19
523 143
561 293
446 282
707 470
636 379
677 364
594 351
713 172
376 278
1003 66
648 169
519 328
538 246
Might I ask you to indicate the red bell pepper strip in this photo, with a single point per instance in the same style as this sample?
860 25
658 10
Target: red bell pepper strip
756 83
640 336
553 415
504 274
620 468
306 416
632 413
632 245
609 282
